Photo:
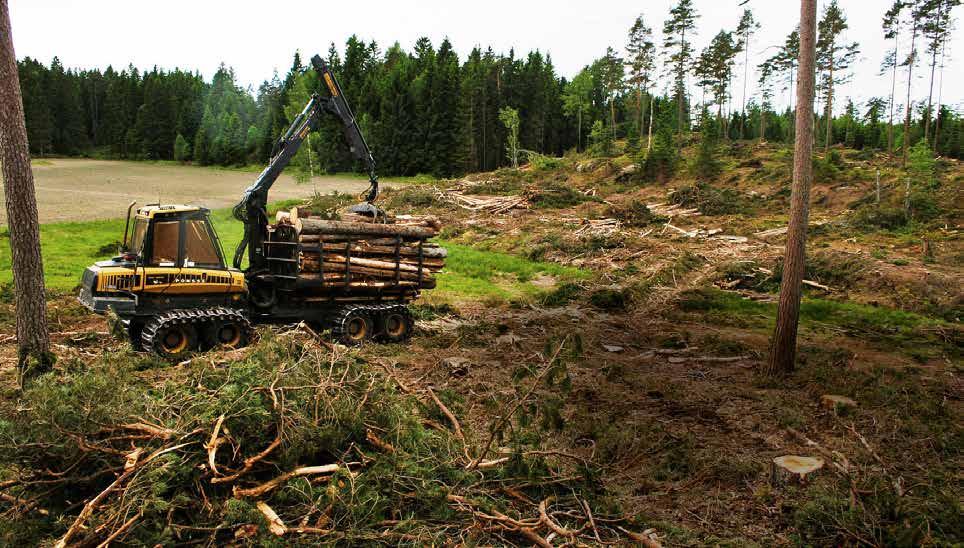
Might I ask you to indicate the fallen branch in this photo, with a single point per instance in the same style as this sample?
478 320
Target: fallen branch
448 414
213 443
259 490
249 463
275 524
92 504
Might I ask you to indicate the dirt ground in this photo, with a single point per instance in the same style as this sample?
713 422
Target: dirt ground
81 190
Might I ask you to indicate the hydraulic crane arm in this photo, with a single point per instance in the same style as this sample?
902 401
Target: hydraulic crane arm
252 209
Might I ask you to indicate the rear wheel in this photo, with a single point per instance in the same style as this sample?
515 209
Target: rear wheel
396 325
353 326
230 333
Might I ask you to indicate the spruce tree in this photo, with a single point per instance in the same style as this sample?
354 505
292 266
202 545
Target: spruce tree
641 62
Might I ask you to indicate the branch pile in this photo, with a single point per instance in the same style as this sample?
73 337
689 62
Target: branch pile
291 439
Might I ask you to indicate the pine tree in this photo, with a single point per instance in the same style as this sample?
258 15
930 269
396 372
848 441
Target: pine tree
609 70
745 30
892 24
715 68
936 25
679 51
916 12
834 58
641 61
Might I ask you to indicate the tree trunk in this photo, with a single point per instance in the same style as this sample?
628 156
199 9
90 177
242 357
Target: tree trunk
22 221
746 66
828 119
579 129
784 345
680 76
910 71
893 94
940 91
930 91
649 136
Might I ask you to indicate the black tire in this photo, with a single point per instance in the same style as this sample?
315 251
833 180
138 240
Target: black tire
228 333
353 326
172 340
395 325
134 330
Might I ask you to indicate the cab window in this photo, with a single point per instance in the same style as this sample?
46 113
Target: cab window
137 237
199 248
165 243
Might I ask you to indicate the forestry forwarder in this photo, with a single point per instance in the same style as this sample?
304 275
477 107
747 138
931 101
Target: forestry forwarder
172 289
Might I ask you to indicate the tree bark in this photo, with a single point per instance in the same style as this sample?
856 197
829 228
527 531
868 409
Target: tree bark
22 221
893 94
746 65
930 91
649 132
828 120
910 71
784 344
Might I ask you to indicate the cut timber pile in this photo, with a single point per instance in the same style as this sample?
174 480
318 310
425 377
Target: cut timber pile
673 210
488 204
390 256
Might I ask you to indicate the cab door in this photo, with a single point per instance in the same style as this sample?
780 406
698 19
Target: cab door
161 254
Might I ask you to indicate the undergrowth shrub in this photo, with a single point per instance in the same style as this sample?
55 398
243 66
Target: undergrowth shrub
710 200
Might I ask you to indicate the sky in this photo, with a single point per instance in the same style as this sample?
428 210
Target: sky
256 38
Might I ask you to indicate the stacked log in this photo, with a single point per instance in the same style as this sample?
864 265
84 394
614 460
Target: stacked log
357 254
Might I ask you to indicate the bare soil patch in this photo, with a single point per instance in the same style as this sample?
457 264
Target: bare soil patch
81 190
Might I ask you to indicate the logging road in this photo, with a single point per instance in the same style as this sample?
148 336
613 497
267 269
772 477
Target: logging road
83 190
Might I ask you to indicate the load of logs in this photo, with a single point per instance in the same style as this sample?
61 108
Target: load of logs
389 255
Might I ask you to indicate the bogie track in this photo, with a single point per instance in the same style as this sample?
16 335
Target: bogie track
177 333
357 324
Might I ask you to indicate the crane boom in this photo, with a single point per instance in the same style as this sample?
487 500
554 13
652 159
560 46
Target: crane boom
252 209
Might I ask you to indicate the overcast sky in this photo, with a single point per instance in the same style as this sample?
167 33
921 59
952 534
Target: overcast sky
257 37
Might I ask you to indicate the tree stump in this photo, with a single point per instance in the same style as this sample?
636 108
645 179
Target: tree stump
790 469
838 404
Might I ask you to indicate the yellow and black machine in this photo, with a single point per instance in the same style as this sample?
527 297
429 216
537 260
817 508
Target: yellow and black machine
175 292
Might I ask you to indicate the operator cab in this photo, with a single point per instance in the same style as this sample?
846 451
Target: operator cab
173 236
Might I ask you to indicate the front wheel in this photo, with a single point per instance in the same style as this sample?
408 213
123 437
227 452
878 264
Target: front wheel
172 340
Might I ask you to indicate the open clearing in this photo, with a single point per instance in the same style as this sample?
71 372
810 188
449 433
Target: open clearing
84 190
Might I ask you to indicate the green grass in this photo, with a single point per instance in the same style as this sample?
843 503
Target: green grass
919 336
475 273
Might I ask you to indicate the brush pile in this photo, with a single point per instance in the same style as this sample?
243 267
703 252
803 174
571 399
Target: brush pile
288 438
388 255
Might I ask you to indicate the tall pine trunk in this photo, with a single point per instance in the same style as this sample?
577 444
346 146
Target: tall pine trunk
940 90
829 116
930 92
893 94
784 346
681 89
22 221
746 67
649 132
910 72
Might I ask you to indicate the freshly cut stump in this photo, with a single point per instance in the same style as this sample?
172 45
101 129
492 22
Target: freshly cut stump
837 404
793 469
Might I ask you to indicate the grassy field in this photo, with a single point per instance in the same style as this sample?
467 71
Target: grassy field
72 189
471 274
